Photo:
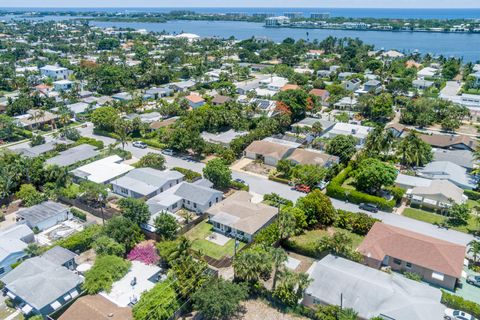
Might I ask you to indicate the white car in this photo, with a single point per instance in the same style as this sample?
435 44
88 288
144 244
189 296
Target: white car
451 314
140 144
168 152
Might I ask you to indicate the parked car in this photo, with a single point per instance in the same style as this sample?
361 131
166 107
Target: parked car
368 207
451 314
241 181
302 188
474 280
168 152
139 144
322 185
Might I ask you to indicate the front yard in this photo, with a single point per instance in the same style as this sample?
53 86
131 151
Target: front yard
433 218
198 237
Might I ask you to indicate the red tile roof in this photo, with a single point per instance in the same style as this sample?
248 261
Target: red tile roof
431 253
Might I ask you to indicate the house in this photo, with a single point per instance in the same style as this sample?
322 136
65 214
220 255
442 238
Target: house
246 86
445 141
372 86
273 83
392 54
463 158
219 100
146 182
13 241
371 293
422 84
61 257
44 215
347 103
40 286
222 138
476 77
397 129
438 195
122 96
79 107
265 106
182 86
309 122
349 129
35 118
161 92
311 156
352 84
427 72
437 261
73 155
238 217
148 117
289 86
55 72
267 151
163 123
344 75
408 182
62 85
103 170
192 196
445 170
96 307
36 151
195 100
321 94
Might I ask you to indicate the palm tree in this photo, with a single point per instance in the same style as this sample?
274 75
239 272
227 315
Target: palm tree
347 314
123 129
317 128
474 249
32 250
413 151
279 258
181 250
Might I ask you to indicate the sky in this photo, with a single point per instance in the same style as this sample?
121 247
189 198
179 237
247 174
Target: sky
246 3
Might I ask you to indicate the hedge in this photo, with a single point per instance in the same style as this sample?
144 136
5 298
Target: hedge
472 195
335 190
277 179
81 241
239 186
105 133
458 303
190 175
86 140
79 214
153 143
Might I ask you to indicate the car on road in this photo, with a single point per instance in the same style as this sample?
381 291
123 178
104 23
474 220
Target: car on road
322 185
474 280
168 152
302 188
240 181
368 207
139 144
451 314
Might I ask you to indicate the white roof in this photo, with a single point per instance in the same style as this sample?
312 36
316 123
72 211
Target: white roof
53 68
412 181
103 170
355 130
427 72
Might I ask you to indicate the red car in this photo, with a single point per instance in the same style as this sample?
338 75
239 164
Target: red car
302 188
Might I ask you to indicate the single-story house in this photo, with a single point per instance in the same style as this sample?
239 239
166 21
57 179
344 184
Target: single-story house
182 85
445 170
79 107
103 170
311 156
268 151
36 151
265 106
219 99
40 286
195 100
146 182
96 307
61 257
35 117
427 72
371 293
422 84
372 86
445 141
321 94
62 85
347 103
247 86
44 215
439 194
192 196
122 96
349 129
309 122
237 216
13 242
290 86
406 182
73 155
437 261
273 83
161 92
148 117
463 158
397 129
222 138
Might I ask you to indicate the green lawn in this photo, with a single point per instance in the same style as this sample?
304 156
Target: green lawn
433 218
198 234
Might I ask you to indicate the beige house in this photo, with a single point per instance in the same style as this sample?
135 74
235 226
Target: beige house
238 217
269 152
315 157
439 194
437 261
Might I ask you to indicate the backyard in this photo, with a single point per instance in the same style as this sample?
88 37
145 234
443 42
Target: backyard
199 235
433 218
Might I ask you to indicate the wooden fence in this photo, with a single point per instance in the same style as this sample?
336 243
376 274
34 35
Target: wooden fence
108 213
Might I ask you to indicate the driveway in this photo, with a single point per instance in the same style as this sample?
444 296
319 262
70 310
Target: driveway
451 90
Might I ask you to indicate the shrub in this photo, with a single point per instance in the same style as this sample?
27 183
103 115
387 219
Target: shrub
81 241
105 271
412 276
190 175
30 196
144 252
359 223
268 235
472 195
79 214
278 179
456 302
105 133
275 200
37 140
239 186
397 193
124 154
153 143
105 245
93 142
152 160
158 303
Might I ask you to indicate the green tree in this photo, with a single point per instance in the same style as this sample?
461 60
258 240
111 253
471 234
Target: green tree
135 210
318 208
123 129
279 257
290 220
94 193
347 314
159 303
123 231
219 299
458 214
284 167
413 151
30 196
166 226
104 245
252 264
189 274
343 147
474 249
152 160
291 287
296 101
308 174
218 173
37 140
104 118
339 244
7 127
105 271
33 250
373 174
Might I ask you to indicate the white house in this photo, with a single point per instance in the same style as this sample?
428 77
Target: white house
63 85
103 170
348 129
55 72
44 215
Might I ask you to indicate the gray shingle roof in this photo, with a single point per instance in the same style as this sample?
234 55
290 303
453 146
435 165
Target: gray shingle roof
41 212
144 181
371 292
196 193
40 282
59 255
463 158
73 155
446 170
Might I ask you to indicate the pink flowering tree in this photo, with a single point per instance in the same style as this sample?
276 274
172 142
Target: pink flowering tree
144 252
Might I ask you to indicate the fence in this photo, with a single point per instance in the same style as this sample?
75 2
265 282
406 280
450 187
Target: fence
108 213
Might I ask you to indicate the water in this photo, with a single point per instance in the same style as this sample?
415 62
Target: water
335 12
448 44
